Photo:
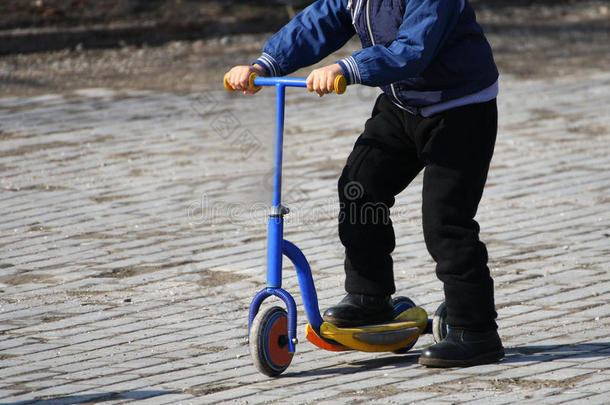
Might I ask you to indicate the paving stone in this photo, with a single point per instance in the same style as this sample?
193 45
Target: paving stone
594 399
125 211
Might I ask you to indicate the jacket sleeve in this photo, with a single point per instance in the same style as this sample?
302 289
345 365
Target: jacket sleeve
313 34
425 26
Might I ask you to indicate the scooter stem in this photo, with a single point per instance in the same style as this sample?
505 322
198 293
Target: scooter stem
275 235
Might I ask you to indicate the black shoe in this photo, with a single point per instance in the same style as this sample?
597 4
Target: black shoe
462 348
360 309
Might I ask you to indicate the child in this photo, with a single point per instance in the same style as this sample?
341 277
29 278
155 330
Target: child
438 113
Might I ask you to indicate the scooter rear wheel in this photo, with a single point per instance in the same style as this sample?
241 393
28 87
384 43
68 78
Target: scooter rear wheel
269 341
439 323
401 304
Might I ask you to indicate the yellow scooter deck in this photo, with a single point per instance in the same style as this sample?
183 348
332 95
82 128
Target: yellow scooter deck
387 337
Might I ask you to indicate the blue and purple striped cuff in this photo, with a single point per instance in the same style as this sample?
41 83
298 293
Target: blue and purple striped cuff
268 62
350 68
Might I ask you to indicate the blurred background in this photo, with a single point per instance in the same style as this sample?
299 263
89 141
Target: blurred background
53 45
65 13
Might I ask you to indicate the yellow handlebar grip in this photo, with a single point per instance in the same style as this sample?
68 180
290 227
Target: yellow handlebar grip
340 84
251 81
226 83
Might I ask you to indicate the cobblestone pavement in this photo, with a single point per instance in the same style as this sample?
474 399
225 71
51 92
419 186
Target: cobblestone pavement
133 239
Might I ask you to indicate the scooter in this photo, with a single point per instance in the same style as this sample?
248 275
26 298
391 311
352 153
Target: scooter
272 333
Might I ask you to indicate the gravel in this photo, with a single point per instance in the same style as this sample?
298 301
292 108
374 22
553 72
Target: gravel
540 40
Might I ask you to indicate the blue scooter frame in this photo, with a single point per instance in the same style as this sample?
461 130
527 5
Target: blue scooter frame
410 321
277 246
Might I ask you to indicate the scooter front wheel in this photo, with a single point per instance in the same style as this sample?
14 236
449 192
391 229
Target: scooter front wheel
269 341
402 304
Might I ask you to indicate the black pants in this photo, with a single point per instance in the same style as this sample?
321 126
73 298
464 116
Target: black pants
455 148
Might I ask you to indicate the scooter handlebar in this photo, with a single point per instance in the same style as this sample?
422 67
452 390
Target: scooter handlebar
255 82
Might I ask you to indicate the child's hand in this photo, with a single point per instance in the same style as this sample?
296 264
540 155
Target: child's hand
239 75
322 80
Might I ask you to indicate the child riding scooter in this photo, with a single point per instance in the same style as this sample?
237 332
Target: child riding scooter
437 113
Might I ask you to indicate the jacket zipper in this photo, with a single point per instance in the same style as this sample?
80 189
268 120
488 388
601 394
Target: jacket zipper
356 11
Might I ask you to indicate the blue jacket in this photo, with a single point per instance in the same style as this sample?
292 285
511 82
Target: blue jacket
420 52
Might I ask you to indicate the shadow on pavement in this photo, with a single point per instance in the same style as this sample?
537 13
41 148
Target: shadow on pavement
520 354
92 398
555 352
398 361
